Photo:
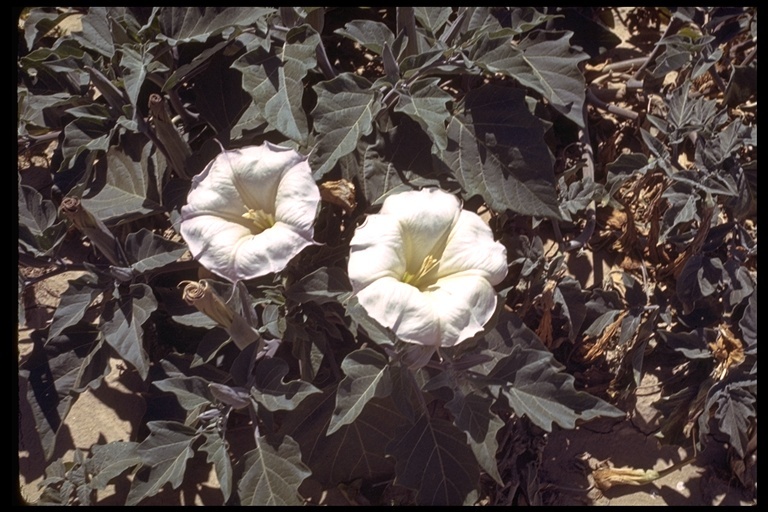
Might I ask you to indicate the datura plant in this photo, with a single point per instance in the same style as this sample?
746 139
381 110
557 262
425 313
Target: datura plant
330 250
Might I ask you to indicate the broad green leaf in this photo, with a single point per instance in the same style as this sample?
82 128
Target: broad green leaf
188 24
425 104
80 293
734 407
355 450
221 99
165 451
199 64
272 475
371 34
687 114
544 61
40 229
473 416
130 188
137 63
534 384
270 391
191 392
346 108
260 70
96 34
432 458
366 377
693 345
39 23
110 460
147 250
217 450
432 18
496 149
84 134
284 110
748 324
326 284
741 86
48 377
122 322
375 331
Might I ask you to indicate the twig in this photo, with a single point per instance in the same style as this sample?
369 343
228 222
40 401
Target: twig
613 109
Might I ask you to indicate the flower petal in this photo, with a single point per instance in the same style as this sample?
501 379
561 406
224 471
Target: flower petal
376 251
463 304
297 198
267 184
233 252
402 308
471 248
426 217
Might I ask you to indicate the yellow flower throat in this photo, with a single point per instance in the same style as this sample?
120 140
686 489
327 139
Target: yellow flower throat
429 264
261 219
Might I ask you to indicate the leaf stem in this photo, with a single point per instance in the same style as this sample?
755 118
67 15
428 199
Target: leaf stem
613 109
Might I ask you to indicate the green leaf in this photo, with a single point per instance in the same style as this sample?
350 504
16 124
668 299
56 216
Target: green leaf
187 24
217 450
496 149
40 229
426 105
84 134
371 34
191 392
432 457
270 391
346 107
130 188
326 284
355 450
544 61
472 415
48 377
536 387
260 70
748 324
533 382
272 475
366 377
148 251
734 407
693 345
122 322
110 460
165 451
283 110
197 65
39 23
96 34
688 114
432 18
80 293
741 86
375 331
221 99
137 63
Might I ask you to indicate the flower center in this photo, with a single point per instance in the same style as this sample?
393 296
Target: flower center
261 219
418 279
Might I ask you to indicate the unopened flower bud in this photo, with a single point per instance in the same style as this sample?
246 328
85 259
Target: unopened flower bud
205 299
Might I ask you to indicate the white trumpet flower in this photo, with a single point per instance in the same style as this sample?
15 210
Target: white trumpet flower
251 211
426 269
